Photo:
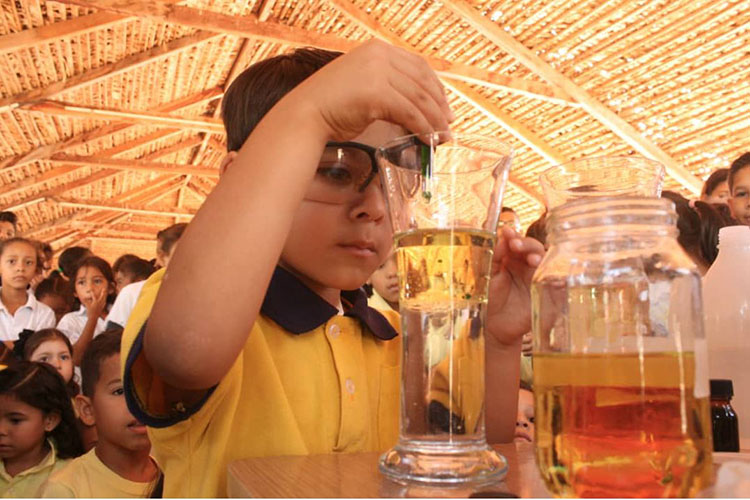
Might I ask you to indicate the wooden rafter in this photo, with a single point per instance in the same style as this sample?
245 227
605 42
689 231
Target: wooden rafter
124 207
143 118
95 75
607 117
134 165
48 150
55 31
251 27
175 148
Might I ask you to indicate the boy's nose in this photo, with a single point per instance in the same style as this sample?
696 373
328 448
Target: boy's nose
370 205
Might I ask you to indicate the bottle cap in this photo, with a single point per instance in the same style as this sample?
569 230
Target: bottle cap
721 388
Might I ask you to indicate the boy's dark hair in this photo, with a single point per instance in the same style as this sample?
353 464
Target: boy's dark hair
103 267
54 285
132 265
169 236
507 209
258 88
717 177
741 162
698 226
41 386
103 346
28 343
9 217
538 229
69 258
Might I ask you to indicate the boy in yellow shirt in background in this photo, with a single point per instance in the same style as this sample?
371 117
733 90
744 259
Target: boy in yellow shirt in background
257 339
119 466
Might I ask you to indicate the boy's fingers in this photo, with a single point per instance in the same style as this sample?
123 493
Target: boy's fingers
405 113
422 75
421 100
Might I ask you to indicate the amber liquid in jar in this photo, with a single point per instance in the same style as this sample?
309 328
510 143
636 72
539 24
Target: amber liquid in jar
621 425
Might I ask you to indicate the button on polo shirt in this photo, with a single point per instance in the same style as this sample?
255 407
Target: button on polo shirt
308 381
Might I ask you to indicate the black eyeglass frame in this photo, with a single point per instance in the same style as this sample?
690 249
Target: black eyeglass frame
362 147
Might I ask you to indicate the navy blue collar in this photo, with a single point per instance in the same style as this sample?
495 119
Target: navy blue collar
297 309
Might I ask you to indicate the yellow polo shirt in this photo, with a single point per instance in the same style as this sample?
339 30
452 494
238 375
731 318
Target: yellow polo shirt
307 381
26 484
88 477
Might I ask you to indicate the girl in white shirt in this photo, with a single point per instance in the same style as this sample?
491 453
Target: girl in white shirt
94 288
19 310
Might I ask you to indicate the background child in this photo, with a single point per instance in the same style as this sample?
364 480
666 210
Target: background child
739 186
37 427
94 289
53 292
8 225
119 465
716 187
166 242
384 281
53 347
19 309
129 269
525 419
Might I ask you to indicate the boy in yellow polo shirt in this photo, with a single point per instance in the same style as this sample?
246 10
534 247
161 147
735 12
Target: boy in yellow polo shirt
119 466
257 339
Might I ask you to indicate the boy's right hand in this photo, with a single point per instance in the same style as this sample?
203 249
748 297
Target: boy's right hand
377 81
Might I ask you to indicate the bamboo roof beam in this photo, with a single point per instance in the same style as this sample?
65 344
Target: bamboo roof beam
251 27
134 165
55 31
482 104
48 150
265 10
95 75
176 148
595 108
124 207
143 118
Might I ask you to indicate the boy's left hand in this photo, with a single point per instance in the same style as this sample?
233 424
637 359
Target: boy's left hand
509 305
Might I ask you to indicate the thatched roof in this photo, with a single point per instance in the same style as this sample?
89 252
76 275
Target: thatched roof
109 108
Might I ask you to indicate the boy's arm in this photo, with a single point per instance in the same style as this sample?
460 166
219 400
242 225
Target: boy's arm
508 318
216 281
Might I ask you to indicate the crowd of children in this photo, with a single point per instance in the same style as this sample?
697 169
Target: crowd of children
299 362
65 428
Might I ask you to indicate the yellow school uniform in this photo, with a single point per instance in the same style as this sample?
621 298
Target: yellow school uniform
26 484
307 381
87 477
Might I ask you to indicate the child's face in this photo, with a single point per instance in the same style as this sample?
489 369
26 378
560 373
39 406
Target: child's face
740 200
720 194
7 231
122 280
57 303
338 246
385 279
56 353
22 429
18 265
115 425
525 417
90 282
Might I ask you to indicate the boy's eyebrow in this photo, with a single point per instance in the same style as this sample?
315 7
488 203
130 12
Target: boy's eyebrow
15 414
115 381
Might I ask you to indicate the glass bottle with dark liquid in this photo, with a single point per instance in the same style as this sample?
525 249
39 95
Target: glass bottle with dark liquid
723 416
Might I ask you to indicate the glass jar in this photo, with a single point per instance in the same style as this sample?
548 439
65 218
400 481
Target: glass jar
723 417
620 370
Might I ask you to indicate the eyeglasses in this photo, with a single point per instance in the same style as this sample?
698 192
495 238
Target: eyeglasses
344 171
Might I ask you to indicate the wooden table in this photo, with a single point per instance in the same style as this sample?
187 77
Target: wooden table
356 475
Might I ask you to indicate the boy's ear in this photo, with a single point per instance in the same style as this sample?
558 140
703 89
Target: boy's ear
226 161
51 420
85 410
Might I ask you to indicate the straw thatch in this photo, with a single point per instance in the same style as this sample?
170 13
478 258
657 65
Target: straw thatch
109 108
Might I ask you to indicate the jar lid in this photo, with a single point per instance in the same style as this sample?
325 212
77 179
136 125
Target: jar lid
721 388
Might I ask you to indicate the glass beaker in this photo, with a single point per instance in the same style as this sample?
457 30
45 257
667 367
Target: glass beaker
601 176
620 361
444 195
